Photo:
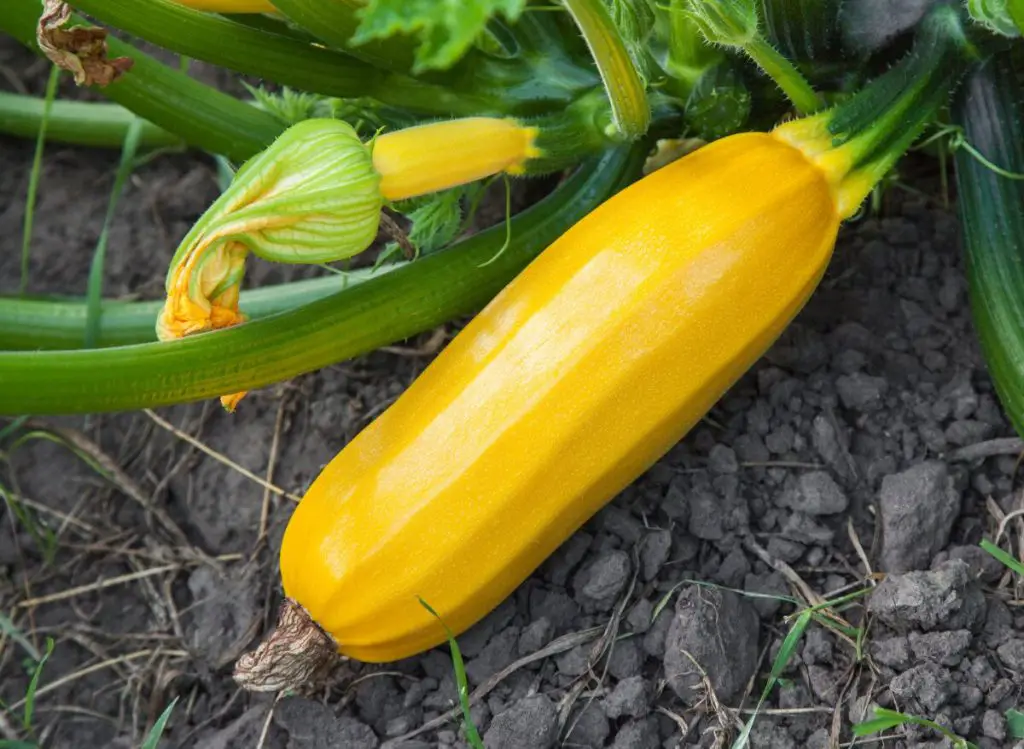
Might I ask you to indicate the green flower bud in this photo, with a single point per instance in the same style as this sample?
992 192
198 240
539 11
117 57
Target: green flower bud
732 23
995 15
312 196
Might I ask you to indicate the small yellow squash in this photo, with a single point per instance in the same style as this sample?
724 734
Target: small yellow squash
577 377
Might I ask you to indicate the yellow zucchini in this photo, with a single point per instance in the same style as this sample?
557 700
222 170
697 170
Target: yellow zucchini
577 377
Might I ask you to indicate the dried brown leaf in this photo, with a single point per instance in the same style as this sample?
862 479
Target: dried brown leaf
81 50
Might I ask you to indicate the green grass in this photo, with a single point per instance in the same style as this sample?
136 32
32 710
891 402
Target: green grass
472 735
33 180
153 737
94 293
886 720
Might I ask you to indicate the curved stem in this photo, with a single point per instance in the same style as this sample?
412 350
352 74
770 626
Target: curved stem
247 49
334 22
200 115
784 73
54 323
630 109
80 123
402 303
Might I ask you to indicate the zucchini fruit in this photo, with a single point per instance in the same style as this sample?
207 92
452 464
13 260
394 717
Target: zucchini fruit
990 109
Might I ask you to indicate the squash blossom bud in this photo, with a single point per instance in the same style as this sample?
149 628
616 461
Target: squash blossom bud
312 196
315 196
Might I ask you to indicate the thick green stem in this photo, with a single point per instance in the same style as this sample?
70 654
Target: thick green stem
80 123
784 73
202 116
399 304
877 126
247 49
630 111
53 323
334 23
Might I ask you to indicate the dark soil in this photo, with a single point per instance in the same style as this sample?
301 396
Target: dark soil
861 451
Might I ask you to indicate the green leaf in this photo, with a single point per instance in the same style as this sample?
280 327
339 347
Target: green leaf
446 28
437 218
7 744
153 737
1015 723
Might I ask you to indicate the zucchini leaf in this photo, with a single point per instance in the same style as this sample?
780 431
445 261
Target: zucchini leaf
446 29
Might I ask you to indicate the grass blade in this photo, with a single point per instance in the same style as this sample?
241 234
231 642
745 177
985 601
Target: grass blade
153 737
33 685
1003 557
472 735
786 653
7 744
94 293
33 180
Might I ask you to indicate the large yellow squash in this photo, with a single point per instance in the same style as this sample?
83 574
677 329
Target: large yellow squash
585 370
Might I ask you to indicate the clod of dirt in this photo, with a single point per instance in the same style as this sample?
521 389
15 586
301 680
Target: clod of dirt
241 733
983 565
993 725
944 648
815 493
946 598
223 618
380 701
654 552
531 723
1011 655
629 698
589 726
917 510
861 392
311 725
925 689
638 734
498 653
714 631
535 635
599 584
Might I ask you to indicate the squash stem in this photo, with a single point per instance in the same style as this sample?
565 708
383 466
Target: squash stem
857 142
784 73
394 306
81 123
247 49
631 112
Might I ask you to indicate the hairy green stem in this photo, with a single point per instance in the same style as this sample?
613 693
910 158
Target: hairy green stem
429 292
784 73
80 123
878 124
202 116
630 111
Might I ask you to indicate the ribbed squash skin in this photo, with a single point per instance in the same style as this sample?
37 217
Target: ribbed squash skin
575 379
